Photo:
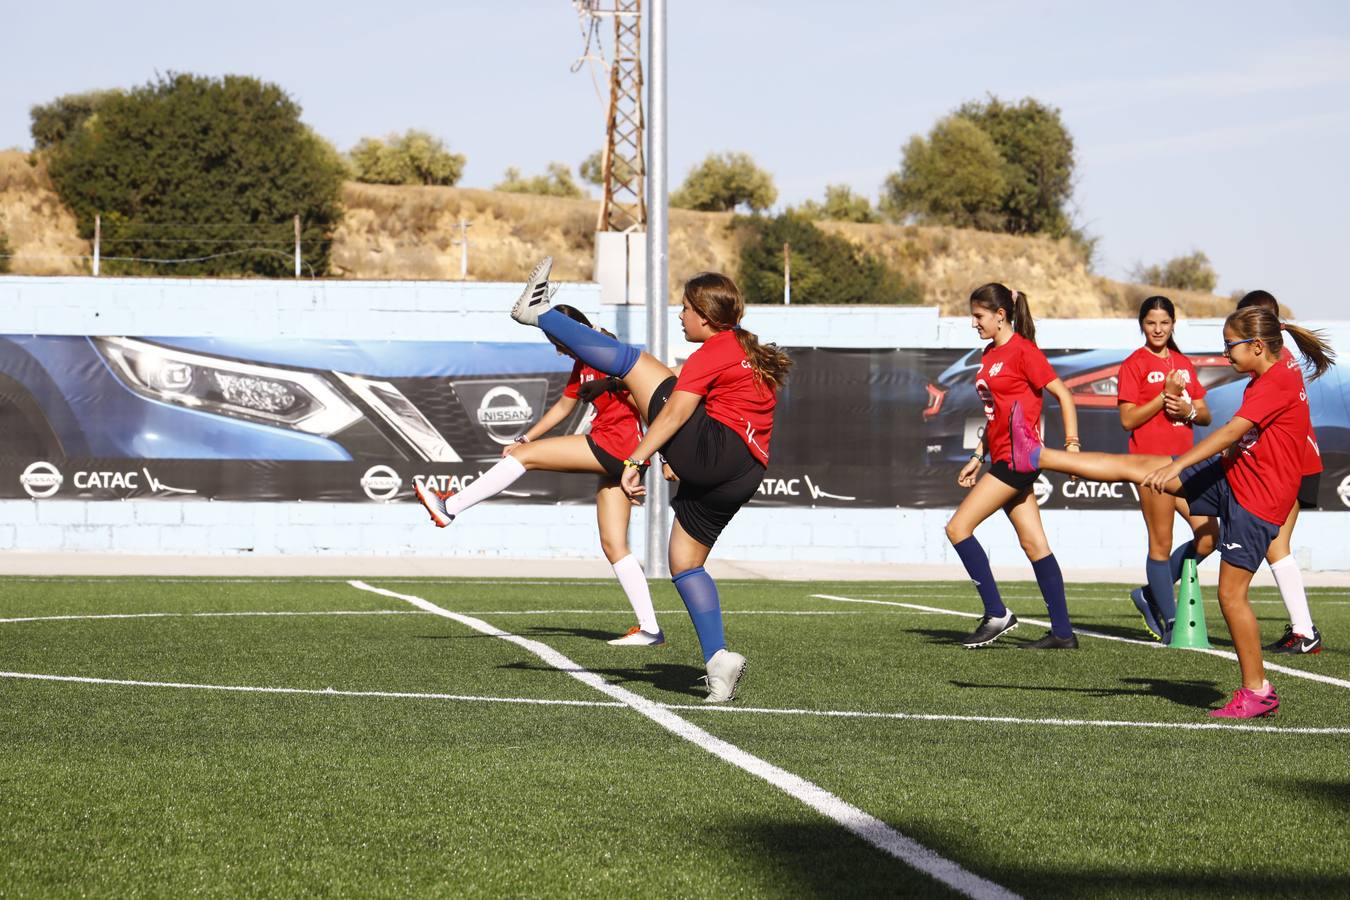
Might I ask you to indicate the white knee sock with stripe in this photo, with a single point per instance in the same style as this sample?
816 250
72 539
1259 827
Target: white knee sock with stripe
1289 579
491 483
634 582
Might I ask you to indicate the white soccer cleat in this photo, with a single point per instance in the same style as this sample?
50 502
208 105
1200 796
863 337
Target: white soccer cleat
434 502
636 637
725 671
534 300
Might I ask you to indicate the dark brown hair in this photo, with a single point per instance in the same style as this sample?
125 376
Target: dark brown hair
1263 299
1257 322
575 315
994 296
1158 301
716 298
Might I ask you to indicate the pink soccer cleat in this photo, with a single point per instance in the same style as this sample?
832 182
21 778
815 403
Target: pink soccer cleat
1026 444
1248 704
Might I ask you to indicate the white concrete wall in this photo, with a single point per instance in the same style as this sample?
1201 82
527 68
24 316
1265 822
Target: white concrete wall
470 311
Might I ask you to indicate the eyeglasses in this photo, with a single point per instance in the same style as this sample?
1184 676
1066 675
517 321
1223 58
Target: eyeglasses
1229 345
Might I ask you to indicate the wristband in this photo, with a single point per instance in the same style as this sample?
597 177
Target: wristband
1190 417
978 457
631 463
522 439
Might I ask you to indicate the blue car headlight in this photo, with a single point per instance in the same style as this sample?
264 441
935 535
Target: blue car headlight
300 400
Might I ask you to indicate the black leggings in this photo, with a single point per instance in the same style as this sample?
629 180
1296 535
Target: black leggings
718 475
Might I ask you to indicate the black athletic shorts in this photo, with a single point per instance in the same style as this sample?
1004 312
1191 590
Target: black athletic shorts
1019 480
718 475
1308 489
612 465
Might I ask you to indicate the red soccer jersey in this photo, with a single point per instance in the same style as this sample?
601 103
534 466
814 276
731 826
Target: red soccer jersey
1312 456
1013 373
720 371
1264 466
1142 376
616 427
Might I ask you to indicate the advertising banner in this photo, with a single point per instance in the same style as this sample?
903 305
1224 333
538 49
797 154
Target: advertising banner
117 418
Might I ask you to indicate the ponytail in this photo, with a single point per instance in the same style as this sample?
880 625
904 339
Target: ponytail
1257 321
769 363
994 296
1314 347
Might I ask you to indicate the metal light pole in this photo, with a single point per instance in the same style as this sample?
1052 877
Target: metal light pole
658 264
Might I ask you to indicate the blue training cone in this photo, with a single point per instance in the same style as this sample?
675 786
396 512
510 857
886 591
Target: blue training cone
1189 629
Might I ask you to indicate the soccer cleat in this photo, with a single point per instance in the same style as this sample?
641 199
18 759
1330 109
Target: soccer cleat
1293 642
1152 621
1052 642
725 671
1248 704
636 637
534 300
434 502
990 630
1025 443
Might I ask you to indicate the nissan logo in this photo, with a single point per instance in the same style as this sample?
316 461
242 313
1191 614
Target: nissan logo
41 479
1043 489
381 483
505 414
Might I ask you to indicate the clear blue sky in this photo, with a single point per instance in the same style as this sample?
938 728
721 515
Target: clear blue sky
1220 126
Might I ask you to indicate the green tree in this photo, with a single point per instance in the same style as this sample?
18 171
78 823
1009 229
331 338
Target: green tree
725 181
953 177
52 123
557 182
1192 272
414 157
841 205
592 168
1037 150
207 169
826 268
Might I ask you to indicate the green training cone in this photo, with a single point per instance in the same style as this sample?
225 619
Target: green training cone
1189 629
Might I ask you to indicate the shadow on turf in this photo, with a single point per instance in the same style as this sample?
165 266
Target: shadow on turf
1183 693
672 678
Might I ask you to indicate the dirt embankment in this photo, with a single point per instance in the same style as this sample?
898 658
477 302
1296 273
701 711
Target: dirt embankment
410 233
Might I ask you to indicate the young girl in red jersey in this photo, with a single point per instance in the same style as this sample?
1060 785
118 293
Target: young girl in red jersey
1161 399
614 434
712 423
1301 635
1012 370
1250 487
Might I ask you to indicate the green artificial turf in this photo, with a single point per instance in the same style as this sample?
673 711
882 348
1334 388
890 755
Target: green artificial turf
129 790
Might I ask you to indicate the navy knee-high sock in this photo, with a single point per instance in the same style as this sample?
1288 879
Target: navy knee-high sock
1051 581
699 593
1179 556
594 348
976 562
1160 587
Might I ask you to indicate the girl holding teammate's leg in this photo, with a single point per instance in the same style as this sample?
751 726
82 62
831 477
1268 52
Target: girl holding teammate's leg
615 433
1301 635
1013 370
1250 487
712 424
1161 399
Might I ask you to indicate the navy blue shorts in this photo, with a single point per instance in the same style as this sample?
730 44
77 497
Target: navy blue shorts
1243 537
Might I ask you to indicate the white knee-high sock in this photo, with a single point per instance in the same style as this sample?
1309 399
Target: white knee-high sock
634 582
489 484
1289 579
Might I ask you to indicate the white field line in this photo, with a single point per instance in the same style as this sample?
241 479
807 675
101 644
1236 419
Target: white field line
414 612
1083 632
684 707
866 826
213 615
1032 595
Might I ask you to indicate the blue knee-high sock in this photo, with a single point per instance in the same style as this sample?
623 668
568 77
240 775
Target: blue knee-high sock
1180 555
699 593
1051 581
594 348
1159 574
976 562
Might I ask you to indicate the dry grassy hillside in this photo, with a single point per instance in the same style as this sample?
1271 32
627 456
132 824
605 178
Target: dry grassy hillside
41 231
408 233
